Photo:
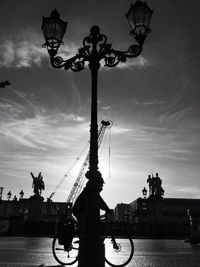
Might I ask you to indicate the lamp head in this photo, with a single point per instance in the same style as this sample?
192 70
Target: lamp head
53 30
139 17
144 192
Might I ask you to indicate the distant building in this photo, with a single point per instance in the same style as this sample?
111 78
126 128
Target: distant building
122 213
151 215
167 216
156 215
24 216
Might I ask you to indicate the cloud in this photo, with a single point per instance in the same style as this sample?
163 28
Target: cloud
20 54
120 130
19 106
146 103
75 118
139 62
26 50
180 115
194 190
7 53
43 132
106 107
68 51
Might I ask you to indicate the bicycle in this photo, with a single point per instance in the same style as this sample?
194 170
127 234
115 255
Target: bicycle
118 251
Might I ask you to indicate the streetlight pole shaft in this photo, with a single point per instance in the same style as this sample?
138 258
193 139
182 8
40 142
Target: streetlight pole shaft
91 250
94 66
93 161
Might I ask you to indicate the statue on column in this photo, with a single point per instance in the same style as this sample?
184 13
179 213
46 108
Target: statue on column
38 184
36 205
158 188
155 188
151 185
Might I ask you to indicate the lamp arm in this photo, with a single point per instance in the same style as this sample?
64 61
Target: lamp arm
113 57
110 56
75 63
95 46
133 51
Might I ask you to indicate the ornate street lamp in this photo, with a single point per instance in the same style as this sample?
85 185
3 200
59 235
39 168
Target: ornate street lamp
144 192
95 49
9 195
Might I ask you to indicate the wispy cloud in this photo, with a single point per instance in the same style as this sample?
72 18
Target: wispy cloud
7 53
139 62
20 54
26 50
68 50
147 103
179 115
120 130
19 106
106 107
43 132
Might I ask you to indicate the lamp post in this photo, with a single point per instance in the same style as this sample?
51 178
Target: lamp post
95 49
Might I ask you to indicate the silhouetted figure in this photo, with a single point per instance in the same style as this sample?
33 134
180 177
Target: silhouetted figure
38 184
79 208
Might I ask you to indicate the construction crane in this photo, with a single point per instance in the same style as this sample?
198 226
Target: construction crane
79 182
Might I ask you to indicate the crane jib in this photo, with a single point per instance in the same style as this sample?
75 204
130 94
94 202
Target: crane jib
79 182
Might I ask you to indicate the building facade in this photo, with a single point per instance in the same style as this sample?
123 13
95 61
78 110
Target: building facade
29 216
152 216
158 216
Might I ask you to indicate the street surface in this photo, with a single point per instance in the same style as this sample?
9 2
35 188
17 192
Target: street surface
34 251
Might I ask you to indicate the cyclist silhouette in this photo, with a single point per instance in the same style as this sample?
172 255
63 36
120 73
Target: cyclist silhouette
79 207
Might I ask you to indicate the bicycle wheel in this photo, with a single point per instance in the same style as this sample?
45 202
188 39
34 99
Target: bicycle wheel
119 254
65 257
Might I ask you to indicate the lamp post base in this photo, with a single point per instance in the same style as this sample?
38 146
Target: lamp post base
91 254
91 249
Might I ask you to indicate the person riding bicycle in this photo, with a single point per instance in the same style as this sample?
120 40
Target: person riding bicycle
79 207
87 211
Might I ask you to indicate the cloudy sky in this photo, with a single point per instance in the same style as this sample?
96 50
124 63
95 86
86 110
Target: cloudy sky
153 100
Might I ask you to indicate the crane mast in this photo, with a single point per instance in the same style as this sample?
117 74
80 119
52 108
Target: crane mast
79 182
